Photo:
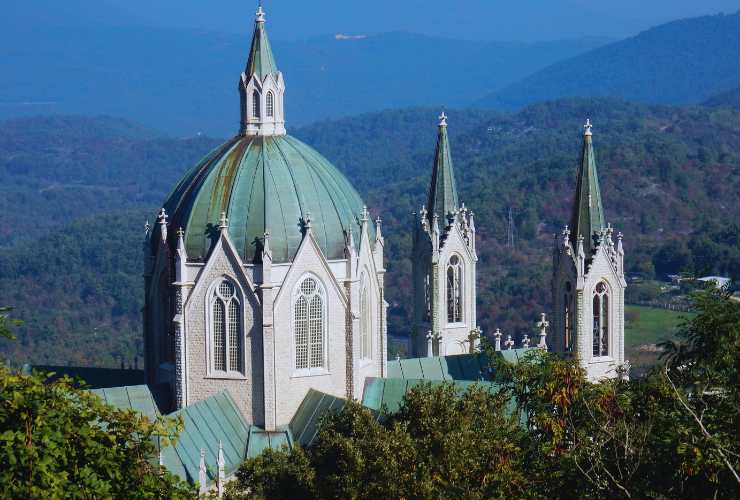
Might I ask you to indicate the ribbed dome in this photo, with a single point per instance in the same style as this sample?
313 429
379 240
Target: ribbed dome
264 184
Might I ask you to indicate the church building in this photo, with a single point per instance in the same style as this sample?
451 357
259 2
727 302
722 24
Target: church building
264 289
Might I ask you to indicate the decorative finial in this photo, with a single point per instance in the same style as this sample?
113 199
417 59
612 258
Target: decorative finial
364 215
180 233
147 228
509 342
587 127
443 119
525 341
223 222
307 220
497 335
543 324
162 220
260 13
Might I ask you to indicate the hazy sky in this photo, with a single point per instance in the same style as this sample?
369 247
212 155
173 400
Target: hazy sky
524 20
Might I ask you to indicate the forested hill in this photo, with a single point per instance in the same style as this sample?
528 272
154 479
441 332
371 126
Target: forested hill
676 63
729 99
670 178
184 81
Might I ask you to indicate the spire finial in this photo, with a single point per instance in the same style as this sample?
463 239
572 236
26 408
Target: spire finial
443 119
587 127
543 324
364 215
260 13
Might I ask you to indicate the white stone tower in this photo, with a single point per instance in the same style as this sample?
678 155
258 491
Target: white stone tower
444 261
588 279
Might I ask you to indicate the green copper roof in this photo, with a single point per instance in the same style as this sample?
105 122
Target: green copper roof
261 61
442 190
588 212
305 423
264 184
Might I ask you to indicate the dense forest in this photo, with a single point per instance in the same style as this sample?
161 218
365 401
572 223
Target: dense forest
681 62
70 264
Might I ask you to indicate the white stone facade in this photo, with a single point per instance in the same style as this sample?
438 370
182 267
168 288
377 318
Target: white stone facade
270 387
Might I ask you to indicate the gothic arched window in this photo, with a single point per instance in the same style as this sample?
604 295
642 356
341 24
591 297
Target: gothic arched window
454 290
366 326
255 104
601 320
568 317
309 325
270 105
226 327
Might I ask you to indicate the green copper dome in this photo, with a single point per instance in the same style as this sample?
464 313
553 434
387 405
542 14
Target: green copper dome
264 184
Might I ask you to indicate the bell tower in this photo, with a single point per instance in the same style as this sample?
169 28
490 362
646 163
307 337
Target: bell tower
588 279
444 261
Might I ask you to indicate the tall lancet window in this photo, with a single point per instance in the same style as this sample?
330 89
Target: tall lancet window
366 327
255 104
309 326
270 104
226 329
454 290
568 317
601 320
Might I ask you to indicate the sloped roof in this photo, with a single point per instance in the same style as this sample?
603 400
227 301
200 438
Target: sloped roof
588 211
261 60
305 423
458 367
135 397
442 198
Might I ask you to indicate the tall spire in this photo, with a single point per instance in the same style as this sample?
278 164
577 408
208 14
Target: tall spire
261 87
588 213
442 190
261 62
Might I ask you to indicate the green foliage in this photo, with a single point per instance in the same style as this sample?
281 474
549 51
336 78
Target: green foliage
57 441
6 323
544 431
77 285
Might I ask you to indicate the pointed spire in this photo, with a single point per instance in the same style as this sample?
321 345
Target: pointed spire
202 478
261 61
378 233
588 212
221 470
442 197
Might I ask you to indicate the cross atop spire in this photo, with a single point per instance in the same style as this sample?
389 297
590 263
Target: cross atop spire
261 61
443 119
260 16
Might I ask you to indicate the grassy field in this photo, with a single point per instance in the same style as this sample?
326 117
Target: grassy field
644 327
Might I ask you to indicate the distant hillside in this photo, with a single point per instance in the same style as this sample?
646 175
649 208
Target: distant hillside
184 82
676 63
670 178
54 170
728 99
